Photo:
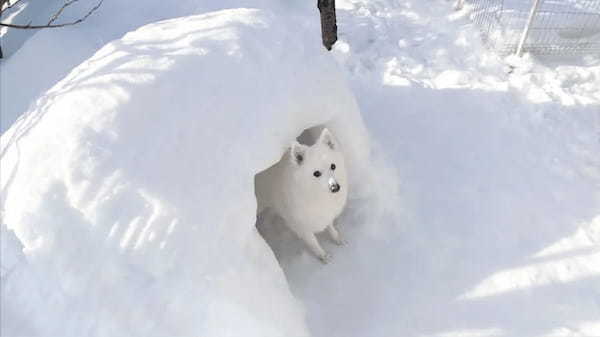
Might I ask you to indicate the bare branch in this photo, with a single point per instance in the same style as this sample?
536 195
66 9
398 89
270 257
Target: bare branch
59 12
50 25
8 5
2 3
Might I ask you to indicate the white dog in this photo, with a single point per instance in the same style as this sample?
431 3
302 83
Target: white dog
308 189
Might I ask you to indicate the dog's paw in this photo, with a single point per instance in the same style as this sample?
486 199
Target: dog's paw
325 258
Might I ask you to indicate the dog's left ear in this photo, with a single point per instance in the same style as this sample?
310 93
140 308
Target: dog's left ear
327 138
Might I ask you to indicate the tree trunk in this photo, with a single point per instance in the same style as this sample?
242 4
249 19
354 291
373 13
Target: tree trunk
328 22
2 2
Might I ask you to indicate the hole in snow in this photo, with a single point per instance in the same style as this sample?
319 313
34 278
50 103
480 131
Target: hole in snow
309 136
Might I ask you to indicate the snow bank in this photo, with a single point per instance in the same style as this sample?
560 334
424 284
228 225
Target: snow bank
24 78
496 224
130 182
497 231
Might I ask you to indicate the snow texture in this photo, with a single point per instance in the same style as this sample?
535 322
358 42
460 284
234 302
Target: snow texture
69 46
498 168
130 182
128 209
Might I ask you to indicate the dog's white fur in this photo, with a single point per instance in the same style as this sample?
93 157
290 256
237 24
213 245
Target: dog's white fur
307 203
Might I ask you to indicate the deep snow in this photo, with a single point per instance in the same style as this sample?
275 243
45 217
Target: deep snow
69 46
480 215
129 184
497 231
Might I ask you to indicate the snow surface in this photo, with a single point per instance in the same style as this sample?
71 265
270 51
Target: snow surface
475 200
69 46
497 170
130 182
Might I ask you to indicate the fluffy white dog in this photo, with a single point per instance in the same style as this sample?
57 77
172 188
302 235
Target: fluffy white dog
308 189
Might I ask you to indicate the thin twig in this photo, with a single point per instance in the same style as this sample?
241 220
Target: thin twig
9 6
59 12
50 25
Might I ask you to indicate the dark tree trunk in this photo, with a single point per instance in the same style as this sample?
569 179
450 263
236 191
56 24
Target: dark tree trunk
2 2
328 22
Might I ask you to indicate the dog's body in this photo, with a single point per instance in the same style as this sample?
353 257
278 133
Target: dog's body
308 189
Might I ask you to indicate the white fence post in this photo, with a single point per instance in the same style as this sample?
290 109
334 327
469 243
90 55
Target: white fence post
532 13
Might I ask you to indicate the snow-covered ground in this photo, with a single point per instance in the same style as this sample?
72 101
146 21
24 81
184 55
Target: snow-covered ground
476 212
497 230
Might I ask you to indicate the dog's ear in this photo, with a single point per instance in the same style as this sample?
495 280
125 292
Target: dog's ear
327 138
298 153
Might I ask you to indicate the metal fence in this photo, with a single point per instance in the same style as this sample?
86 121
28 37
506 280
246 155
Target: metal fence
545 27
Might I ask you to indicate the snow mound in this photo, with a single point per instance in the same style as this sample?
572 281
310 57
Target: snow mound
129 184
24 78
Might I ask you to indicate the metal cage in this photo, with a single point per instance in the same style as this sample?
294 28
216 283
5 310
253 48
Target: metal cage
543 27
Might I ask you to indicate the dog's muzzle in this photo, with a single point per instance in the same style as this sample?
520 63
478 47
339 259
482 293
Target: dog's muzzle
334 188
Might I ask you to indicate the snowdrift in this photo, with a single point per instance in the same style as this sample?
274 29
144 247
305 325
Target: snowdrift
129 184
24 78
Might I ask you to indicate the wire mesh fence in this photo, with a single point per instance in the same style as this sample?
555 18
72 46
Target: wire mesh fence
557 27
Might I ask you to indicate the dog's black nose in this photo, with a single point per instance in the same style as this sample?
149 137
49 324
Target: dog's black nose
335 188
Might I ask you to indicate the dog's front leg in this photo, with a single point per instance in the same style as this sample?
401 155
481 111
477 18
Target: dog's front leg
311 241
335 236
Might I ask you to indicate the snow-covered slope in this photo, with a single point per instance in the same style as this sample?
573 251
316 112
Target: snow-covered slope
476 212
130 183
48 55
497 230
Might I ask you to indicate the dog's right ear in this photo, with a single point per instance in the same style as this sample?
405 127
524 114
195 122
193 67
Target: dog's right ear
297 153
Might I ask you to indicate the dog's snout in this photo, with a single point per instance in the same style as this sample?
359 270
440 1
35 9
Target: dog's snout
335 188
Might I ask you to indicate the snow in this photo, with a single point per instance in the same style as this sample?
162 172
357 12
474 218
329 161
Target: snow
495 167
69 46
128 205
133 178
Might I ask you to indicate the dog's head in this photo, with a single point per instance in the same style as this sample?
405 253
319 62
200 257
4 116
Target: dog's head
320 165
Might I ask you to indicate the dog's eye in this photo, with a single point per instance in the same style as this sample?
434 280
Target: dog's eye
332 167
317 174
